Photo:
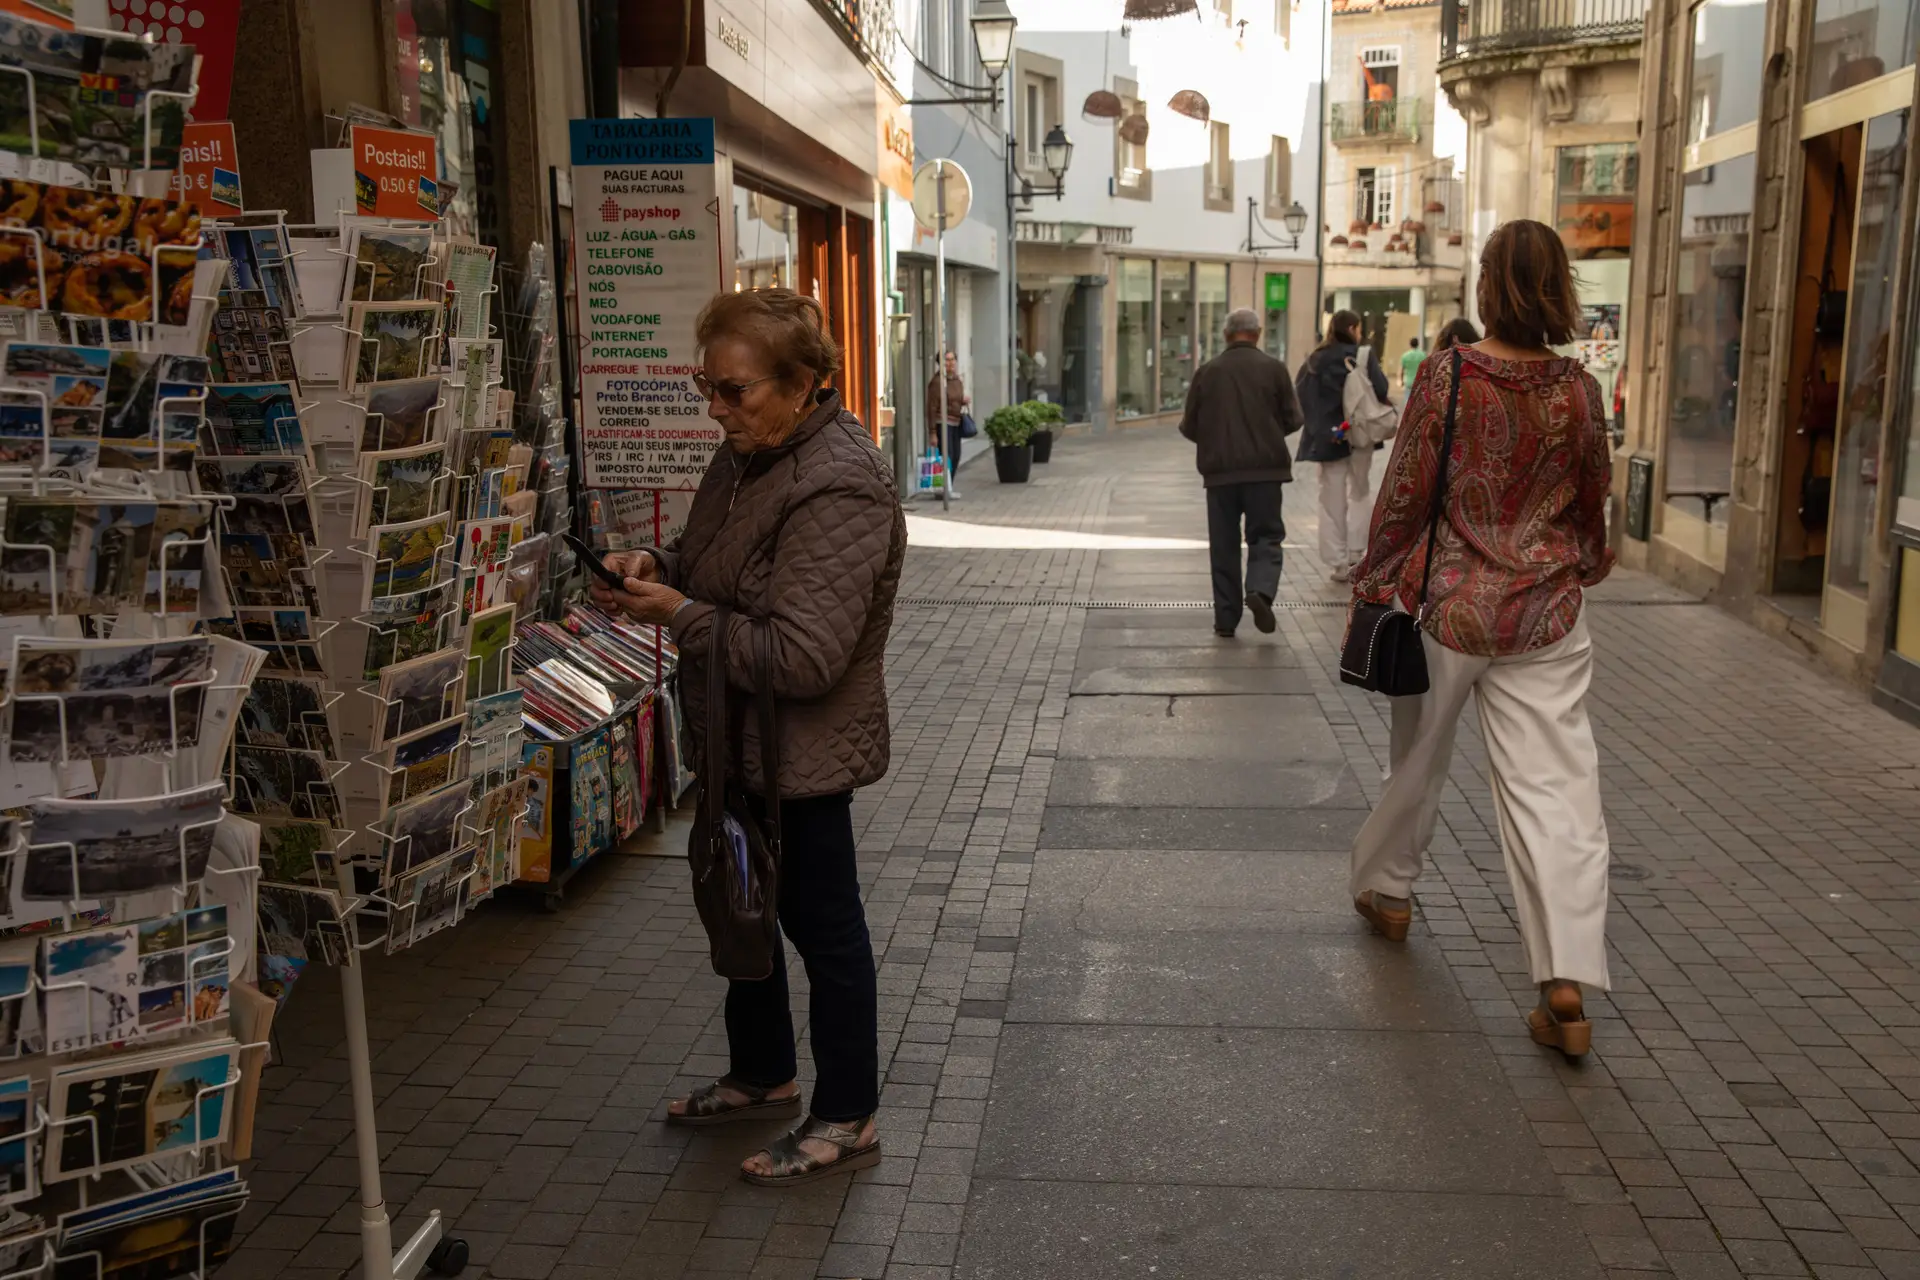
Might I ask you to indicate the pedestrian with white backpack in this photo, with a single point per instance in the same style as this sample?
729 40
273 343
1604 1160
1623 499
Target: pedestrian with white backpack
1343 393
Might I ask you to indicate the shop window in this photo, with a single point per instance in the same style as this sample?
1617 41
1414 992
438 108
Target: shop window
1210 310
1133 339
1273 336
1855 41
1131 176
766 241
1851 543
1176 334
1729 50
1279 190
1710 287
1593 198
1219 176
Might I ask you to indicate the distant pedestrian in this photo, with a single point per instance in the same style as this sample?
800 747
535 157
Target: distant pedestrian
1521 533
947 405
797 525
1240 411
1458 332
1343 470
1410 365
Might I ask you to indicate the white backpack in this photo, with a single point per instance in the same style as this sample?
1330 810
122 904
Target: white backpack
1369 422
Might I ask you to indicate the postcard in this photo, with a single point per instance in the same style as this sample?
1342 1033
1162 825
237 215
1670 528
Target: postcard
389 264
266 571
405 556
128 1109
299 853
486 552
111 848
400 414
421 692
425 828
83 726
406 626
400 486
154 1233
125 981
259 259
282 711
490 652
19 1171
282 782
257 475
109 556
255 418
302 924
496 822
116 257
430 899
285 635
495 716
470 280
21 1030
393 339
425 760
251 341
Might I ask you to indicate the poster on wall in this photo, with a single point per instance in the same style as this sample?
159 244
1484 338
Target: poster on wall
646 258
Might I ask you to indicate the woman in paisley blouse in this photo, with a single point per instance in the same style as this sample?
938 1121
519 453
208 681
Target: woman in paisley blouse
1523 533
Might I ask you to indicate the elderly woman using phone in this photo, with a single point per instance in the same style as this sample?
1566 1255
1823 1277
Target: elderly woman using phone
797 521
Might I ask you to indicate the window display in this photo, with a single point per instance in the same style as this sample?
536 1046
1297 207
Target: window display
1210 316
1133 341
1176 334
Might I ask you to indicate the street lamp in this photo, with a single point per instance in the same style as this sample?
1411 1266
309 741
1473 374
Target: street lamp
1056 153
993 25
1295 219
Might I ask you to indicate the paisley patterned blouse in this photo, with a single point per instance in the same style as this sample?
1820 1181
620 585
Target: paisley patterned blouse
1525 528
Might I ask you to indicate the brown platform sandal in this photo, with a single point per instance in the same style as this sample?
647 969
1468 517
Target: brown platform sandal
793 1165
1389 923
705 1105
1560 1021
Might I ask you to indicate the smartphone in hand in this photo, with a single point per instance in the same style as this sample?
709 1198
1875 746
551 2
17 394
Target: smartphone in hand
595 565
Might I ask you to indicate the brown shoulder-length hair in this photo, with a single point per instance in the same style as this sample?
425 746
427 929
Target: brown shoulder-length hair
1526 291
790 327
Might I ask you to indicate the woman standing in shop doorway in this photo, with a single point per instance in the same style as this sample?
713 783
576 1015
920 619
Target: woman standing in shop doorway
948 404
1521 533
1343 469
797 523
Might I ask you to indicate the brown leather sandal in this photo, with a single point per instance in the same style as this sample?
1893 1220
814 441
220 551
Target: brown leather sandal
793 1165
1389 923
1560 1022
705 1105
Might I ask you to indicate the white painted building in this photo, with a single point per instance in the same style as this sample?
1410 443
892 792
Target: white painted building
1166 221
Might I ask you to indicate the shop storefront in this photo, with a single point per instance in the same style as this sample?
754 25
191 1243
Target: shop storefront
1170 318
1773 410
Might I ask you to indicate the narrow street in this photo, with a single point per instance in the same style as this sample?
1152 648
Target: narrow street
1130 1024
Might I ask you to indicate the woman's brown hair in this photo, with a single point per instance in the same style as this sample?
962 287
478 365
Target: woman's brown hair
1526 290
790 327
1343 322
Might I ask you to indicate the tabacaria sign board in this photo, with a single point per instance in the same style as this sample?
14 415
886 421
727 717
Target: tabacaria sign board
646 259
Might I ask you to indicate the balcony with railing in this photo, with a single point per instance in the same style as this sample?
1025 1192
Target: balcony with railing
1396 120
1485 27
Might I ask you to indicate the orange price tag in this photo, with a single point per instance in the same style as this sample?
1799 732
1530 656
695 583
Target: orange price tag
209 173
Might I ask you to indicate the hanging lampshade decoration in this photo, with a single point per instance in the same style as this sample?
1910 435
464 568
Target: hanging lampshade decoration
1148 10
1434 206
1192 104
1338 242
1134 129
1358 227
1101 105
1358 244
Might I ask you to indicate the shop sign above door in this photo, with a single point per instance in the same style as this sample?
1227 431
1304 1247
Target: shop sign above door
646 259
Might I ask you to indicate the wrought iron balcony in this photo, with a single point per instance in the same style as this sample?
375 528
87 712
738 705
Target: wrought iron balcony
1397 120
1484 27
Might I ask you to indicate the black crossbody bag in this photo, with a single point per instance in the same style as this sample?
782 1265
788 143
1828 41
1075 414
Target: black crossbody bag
738 899
1384 651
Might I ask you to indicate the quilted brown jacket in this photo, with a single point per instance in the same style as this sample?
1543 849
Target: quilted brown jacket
811 536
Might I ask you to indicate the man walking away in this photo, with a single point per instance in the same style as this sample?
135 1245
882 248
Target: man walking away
1410 365
1240 411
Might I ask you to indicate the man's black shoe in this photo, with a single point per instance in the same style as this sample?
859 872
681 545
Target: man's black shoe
1262 612
1225 633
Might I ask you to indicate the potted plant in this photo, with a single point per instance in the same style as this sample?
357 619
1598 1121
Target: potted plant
1010 427
1045 415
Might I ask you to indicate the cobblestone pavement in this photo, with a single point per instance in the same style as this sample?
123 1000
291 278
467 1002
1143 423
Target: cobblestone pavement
1129 1024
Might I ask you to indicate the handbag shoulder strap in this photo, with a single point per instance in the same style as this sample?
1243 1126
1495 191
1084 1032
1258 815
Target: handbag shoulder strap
1440 488
1833 222
769 723
713 765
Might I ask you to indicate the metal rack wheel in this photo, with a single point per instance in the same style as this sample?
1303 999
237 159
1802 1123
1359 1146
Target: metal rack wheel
449 1257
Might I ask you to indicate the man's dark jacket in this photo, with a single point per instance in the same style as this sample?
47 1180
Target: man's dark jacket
1240 411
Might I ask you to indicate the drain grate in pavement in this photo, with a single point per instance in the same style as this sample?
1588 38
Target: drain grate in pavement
978 602
1627 871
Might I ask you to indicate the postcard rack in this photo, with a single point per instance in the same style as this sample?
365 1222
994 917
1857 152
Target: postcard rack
586 801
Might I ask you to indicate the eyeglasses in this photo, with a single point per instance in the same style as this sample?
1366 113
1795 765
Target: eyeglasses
731 392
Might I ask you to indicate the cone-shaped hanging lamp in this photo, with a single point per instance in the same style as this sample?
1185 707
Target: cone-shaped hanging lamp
1148 10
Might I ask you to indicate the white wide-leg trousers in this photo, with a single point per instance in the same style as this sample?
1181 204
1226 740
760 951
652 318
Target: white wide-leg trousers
1546 789
1345 513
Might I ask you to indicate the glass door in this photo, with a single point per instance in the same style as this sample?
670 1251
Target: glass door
1852 540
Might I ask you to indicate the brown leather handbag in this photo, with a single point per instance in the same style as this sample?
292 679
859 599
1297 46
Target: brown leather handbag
734 855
